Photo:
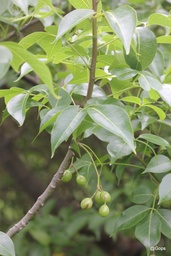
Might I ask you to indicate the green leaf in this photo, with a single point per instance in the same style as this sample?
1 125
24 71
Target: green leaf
123 22
10 93
165 218
114 119
155 139
165 188
165 93
146 120
158 164
147 81
71 20
81 89
17 107
144 49
6 245
116 148
46 42
22 4
50 117
124 73
157 66
66 123
131 217
159 19
5 60
141 195
148 232
118 87
20 55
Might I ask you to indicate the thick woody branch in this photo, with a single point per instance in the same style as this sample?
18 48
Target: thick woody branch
43 197
94 51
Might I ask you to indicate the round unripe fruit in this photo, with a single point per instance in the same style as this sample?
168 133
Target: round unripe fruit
104 210
98 197
67 176
105 197
81 180
86 203
166 204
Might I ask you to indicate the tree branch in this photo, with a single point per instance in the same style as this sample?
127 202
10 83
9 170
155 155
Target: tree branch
43 197
94 51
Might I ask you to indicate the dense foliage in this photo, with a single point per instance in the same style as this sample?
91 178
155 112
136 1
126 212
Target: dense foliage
102 84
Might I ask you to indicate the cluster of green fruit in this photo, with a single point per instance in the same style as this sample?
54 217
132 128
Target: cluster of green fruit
100 196
80 179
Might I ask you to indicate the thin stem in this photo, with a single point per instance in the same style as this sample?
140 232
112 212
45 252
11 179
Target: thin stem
43 197
94 51
97 173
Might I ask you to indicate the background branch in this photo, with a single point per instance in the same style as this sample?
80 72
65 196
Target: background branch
43 197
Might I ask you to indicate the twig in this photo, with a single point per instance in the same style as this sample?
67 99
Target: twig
43 197
24 28
94 51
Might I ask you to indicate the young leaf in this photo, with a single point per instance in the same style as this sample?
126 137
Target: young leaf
132 99
147 81
17 107
165 188
148 232
131 217
158 110
159 19
114 119
144 50
123 22
66 123
158 164
84 4
164 40
71 20
155 139
165 218
6 245
5 60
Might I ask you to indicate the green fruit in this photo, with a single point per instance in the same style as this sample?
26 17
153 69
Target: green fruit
81 180
105 197
67 176
86 203
104 210
166 204
98 197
